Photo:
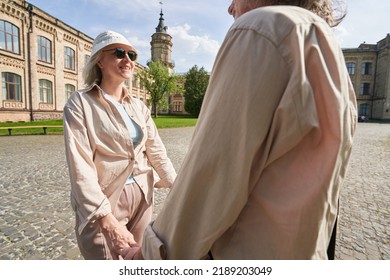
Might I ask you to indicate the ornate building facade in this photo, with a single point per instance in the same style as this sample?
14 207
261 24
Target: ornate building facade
41 62
369 69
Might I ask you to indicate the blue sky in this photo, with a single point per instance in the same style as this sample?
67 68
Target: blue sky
197 27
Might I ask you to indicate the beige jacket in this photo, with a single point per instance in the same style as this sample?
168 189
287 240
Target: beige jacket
100 153
269 154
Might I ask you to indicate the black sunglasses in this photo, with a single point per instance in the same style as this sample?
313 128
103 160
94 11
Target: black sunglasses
121 53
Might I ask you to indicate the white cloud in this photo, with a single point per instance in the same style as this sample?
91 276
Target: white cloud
341 34
192 44
190 49
125 7
366 21
137 42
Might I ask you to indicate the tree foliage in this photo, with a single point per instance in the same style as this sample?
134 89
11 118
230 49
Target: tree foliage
159 83
196 82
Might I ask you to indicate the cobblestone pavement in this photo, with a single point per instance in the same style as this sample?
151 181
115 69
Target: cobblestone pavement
364 227
36 221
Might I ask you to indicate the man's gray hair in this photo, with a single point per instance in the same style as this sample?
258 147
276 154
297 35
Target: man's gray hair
332 11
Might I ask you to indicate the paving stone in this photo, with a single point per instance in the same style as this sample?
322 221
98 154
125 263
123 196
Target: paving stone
35 209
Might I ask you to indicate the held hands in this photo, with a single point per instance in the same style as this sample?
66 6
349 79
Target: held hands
120 240
131 253
161 185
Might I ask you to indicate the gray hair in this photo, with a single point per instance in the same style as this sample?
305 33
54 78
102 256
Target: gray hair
91 72
332 11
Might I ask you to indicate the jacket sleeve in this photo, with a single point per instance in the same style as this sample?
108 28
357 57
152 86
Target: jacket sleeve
157 154
87 198
217 173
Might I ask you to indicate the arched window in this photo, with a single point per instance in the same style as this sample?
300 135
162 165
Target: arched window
44 49
45 91
9 37
12 87
69 58
69 89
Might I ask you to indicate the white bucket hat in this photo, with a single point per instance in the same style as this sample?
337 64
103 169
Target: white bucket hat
107 38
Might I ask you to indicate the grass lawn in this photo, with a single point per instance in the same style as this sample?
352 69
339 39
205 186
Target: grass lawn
174 121
30 131
161 122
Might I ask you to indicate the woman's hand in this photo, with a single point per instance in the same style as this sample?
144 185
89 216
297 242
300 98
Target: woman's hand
119 239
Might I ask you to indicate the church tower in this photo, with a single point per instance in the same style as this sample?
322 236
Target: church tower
162 44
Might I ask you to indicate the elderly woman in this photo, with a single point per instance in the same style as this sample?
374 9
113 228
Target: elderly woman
112 146
270 151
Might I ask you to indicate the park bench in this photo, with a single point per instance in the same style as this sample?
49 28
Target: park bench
44 127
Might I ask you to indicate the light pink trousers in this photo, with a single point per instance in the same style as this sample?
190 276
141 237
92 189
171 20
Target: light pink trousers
132 210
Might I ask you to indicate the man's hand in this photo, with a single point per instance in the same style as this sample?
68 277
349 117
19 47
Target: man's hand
131 253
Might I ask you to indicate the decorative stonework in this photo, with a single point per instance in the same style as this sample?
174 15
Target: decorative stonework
12 105
71 39
350 58
70 76
46 70
45 26
369 58
14 12
8 61
88 47
47 116
46 106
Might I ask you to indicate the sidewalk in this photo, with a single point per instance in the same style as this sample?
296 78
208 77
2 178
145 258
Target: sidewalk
36 221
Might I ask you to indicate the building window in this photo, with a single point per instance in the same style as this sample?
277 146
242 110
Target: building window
9 37
44 49
69 89
177 107
45 91
69 58
363 109
367 68
351 68
12 87
134 81
365 89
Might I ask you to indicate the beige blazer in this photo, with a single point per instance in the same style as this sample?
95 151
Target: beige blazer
101 156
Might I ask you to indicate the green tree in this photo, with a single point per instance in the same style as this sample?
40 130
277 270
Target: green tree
195 85
159 83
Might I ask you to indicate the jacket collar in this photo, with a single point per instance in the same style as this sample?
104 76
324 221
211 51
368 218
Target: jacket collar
96 89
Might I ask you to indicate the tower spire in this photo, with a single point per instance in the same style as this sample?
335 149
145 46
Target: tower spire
161 25
162 43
